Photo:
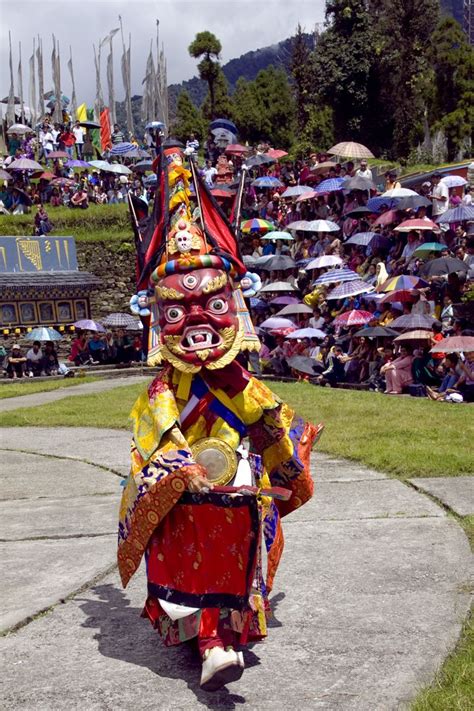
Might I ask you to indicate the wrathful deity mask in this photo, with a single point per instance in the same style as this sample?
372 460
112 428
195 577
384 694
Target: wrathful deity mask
199 326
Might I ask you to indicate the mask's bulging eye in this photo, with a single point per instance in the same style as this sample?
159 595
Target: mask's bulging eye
217 305
174 314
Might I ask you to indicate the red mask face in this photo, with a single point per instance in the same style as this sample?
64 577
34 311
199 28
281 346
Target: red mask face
198 320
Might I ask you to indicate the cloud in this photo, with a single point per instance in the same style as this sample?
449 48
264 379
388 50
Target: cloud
241 26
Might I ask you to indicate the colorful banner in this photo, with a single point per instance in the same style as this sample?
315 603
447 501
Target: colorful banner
105 130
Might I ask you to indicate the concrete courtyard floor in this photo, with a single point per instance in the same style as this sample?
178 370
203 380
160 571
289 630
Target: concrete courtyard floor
369 598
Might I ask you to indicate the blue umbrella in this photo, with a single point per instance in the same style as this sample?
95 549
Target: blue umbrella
76 164
267 181
258 303
121 148
457 214
278 235
335 275
153 125
329 186
376 203
43 333
223 123
362 238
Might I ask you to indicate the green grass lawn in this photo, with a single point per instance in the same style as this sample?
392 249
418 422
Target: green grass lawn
29 387
405 437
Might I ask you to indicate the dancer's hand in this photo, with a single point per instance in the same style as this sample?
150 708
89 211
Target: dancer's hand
199 483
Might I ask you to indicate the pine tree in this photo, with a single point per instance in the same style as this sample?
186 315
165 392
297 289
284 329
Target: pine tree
188 119
223 104
247 111
300 67
207 46
277 106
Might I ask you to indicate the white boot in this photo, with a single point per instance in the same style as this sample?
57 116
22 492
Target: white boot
220 667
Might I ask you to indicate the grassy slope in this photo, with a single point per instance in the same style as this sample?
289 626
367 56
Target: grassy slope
29 387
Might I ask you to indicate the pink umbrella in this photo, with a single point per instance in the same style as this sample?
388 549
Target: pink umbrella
386 218
408 225
307 196
58 154
276 153
354 318
277 322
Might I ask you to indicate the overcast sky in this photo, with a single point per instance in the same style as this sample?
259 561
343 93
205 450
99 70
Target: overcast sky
241 25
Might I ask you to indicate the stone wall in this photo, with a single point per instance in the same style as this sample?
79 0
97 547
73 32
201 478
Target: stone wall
114 263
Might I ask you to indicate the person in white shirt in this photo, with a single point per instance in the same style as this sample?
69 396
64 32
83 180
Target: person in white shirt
467 197
34 360
55 132
209 174
439 196
47 141
78 132
364 171
316 320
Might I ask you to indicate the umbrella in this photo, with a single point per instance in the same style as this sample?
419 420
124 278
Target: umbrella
236 149
427 248
277 286
4 175
304 364
150 180
87 324
46 176
256 225
354 318
119 169
412 202
457 214
376 203
249 261
89 124
277 235
362 238
276 153
119 320
120 148
20 129
357 183
307 196
296 191
63 182
282 331
100 164
284 301
137 326
273 262
307 333
376 332
258 303
358 212
415 335
143 165
348 149
76 164
402 296
349 288
420 225
403 281
336 275
386 218
453 181
413 321
222 193
25 164
58 154
297 225
454 344
154 125
27 200
323 167
443 265
295 309
322 226
267 181
277 322
398 193
329 186
259 159
327 260
43 333
224 124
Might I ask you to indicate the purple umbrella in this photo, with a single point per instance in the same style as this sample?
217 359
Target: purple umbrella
77 164
349 288
413 321
87 324
284 301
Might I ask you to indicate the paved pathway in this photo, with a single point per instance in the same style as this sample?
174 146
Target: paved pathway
99 386
369 598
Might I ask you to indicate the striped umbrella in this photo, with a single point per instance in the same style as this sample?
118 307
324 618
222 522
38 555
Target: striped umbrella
349 149
44 333
336 275
87 324
418 334
119 320
329 186
354 318
120 148
362 238
256 226
403 281
25 164
349 288
276 153
412 321
457 214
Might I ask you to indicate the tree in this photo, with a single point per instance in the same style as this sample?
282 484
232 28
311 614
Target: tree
277 106
300 67
404 32
188 119
223 104
343 61
207 46
452 101
247 111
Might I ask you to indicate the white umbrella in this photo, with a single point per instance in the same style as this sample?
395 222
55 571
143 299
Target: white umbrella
278 235
307 333
322 226
25 164
20 129
349 149
453 181
277 286
100 164
277 322
399 193
119 169
327 260
297 225
292 309
296 191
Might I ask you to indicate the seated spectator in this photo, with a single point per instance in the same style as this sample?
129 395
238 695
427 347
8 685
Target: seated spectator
452 374
398 373
79 351
50 362
15 362
465 384
42 224
97 348
34 359
335 372
123 346
80 199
